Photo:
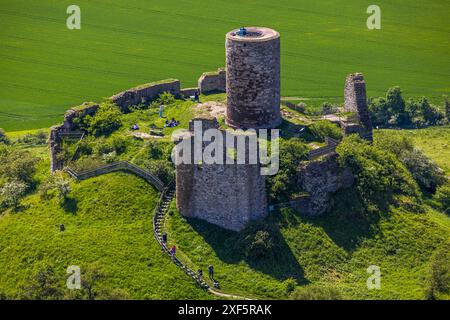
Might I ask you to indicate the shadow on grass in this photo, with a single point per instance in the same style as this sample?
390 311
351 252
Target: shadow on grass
231 246
70 205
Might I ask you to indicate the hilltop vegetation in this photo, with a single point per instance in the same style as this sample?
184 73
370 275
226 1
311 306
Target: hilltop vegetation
393 217
47 68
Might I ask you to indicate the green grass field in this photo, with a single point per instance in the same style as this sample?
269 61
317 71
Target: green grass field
108 225
47 68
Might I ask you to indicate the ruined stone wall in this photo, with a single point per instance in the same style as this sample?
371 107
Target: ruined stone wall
253 78
321 179
66 128
210 82
145 93
356 101
227 195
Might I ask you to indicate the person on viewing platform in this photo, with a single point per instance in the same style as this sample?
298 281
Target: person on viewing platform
211 271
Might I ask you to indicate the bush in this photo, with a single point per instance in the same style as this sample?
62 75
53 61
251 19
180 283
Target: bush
43 285
163 169
109 157
282 185
12 192
17 165
426 173
259 241
106 120
379 174
37 138
328 108
3 138
57 185
439 278
322 129
442 196
315 292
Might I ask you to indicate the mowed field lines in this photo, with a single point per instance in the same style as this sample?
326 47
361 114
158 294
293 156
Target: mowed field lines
46 68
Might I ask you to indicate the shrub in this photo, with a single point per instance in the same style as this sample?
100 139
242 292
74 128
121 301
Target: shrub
426 173
37 138
163 169
106 120
328 108
3 137
259 241
322 129
439 278
109 157
442 196
379 113
12 192
447 108
315 292
379 174
55 185
43 285
284 183
17 165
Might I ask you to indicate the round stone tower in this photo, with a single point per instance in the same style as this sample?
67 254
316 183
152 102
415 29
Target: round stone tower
253 78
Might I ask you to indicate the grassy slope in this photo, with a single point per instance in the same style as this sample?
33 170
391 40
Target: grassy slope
47 68
434 142
326 250
111 227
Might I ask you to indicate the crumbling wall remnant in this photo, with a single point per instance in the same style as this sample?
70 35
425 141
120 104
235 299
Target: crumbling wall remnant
210 82
146 93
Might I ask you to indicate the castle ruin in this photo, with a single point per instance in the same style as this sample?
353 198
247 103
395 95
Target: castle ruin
231 195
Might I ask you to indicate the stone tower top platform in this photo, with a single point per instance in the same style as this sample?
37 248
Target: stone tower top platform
253 34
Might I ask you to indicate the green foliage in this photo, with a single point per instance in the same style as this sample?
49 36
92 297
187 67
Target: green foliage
442 196
11 193
57 185
394 111
315 292
379 174
447 108
426 173
37 138
109 233
3 138
17 165
259 245
328 108
282 185
322 129
163 169
439 278
105 121
43 285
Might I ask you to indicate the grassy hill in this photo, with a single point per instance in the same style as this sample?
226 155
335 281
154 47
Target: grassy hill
108 223
47 68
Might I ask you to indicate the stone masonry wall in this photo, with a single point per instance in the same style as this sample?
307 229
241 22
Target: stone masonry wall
321 178
212 81
227 195
356 101
145 93
253 79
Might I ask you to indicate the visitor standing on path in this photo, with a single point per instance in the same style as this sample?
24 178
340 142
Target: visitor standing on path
211 271
161 108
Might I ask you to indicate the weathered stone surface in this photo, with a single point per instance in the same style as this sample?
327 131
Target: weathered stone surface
321 178
146 93
189 92
356 101
210 82
253 78
228 195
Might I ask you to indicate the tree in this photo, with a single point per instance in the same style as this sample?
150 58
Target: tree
3 138
396 106
106 120
12 192
56 185
43 285
439 278
442 196
17 165
379 113
447 108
